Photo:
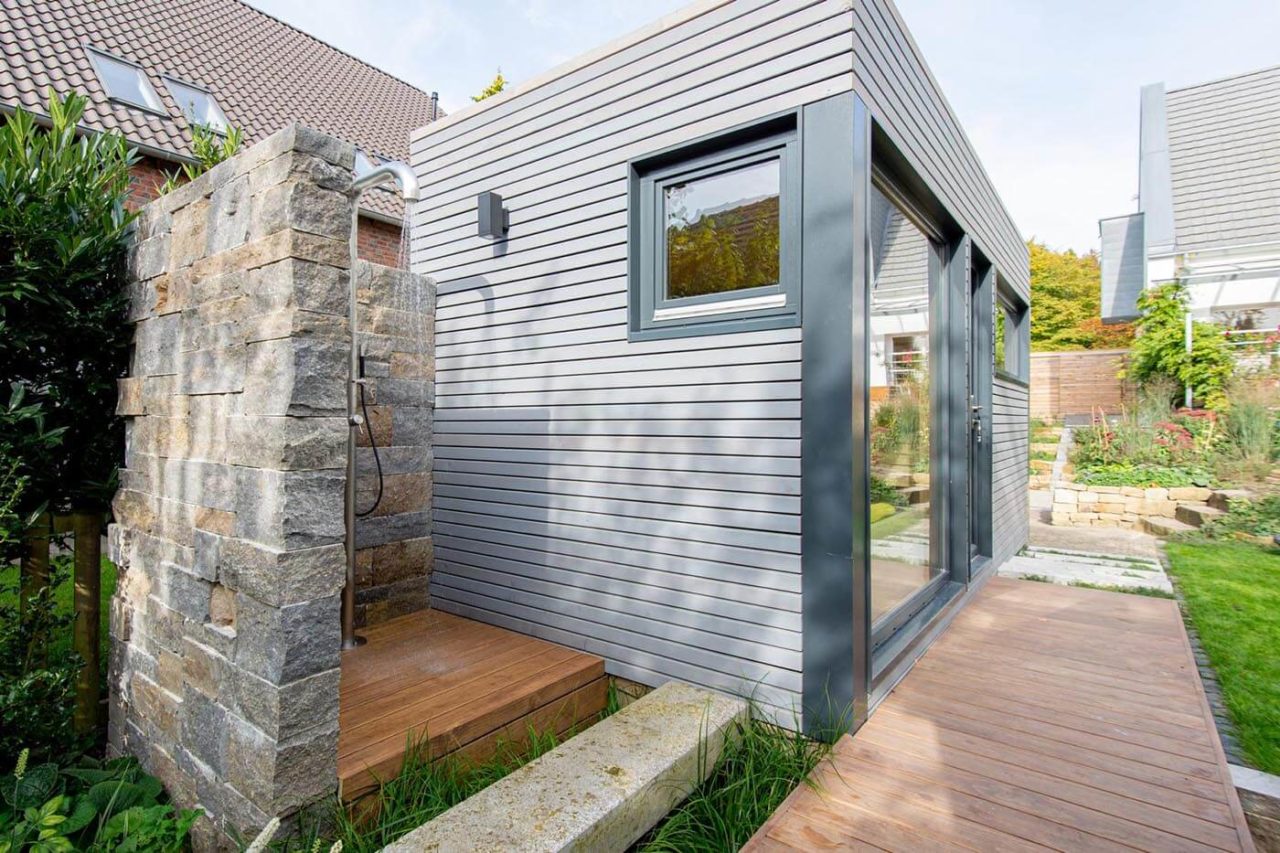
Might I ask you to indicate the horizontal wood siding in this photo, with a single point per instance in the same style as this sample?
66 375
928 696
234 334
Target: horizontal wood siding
639 501
1010 515
907 103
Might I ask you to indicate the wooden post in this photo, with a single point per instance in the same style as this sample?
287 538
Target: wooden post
35 560
87 527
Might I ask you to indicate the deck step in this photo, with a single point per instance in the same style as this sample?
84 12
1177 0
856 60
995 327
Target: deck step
1197 515
600 790
1165 527
916 495
463 684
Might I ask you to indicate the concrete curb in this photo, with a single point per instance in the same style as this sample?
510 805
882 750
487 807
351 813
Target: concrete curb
600 790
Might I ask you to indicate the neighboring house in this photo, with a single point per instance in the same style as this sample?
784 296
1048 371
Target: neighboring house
1208 204
152 69
658 435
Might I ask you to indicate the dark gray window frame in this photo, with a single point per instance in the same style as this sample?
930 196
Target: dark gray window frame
1017 336
777 137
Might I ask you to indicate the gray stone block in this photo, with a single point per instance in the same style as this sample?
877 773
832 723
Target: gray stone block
293 283
372 532
281 578
299 376
204 730
290 509
283 644
198 481
228 216
287 443
185 592
213 371
155 344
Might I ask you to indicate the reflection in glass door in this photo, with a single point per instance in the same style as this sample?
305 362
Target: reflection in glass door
906 565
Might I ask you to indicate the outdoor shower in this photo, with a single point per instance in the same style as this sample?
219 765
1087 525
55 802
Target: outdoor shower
408 184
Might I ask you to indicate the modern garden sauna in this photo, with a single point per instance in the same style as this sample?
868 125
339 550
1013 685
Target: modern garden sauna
731 352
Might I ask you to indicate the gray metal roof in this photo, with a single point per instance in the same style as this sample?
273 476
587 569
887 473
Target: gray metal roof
1224 157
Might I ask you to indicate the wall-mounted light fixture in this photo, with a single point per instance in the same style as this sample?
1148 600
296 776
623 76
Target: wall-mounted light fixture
491 215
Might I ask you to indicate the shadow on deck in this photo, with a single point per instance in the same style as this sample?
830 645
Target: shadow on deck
461 684
1044 717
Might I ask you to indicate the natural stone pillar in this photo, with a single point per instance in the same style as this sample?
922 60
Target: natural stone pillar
229 530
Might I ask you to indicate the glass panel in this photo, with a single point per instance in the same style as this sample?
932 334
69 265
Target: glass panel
1002 360
363 164
722 231
198 105
900 405
126 82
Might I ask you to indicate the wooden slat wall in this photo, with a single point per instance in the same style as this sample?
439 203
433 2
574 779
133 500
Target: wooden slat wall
1077 383
639 501
1010 515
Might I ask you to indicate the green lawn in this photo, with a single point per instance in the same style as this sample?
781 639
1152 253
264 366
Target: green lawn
1232 592
64 593
904 518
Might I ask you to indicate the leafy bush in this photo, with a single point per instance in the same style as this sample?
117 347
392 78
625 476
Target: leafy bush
883 493
210 148
91 805
1160 349
63 229
1251 518
1143 476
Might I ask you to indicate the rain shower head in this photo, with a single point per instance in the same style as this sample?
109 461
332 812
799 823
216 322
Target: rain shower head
392 170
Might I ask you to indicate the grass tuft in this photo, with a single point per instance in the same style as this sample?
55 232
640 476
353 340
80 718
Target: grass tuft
1148 591
761 764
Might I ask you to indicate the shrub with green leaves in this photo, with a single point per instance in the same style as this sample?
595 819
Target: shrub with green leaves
63 229
1160 349
91 805
210 148
1143 476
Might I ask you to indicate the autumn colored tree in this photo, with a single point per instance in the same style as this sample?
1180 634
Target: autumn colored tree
1066 303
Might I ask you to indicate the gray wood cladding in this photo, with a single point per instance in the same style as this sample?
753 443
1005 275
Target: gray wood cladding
639 501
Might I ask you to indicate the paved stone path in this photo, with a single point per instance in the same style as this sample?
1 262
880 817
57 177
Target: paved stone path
1070 567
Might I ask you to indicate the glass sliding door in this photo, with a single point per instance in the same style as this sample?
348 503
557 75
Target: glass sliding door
907 565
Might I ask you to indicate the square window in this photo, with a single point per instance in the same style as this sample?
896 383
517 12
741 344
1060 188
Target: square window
125 81
714 238
198 105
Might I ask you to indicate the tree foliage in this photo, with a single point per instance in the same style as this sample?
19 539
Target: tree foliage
1066 303
495 86
730 250
63 226
1160 350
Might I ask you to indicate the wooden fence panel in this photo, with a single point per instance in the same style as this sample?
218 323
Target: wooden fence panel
1080 382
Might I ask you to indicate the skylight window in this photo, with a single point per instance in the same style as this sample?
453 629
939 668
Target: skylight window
125 81
365 163
198 105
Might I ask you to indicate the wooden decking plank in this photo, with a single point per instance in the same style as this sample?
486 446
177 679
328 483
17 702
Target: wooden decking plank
1166 723
449 690
1182 706
1046 716
925 792
1159 817
1016 795
1076 718
1195 768
1133 777
464 683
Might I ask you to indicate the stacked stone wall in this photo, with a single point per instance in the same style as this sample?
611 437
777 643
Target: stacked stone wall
229 520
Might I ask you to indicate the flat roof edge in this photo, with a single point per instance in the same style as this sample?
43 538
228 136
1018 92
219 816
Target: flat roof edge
680 16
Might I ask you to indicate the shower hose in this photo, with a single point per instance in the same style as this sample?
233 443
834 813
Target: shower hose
373 442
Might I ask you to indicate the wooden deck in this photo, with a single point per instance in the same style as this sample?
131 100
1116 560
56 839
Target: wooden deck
1045 717
462 684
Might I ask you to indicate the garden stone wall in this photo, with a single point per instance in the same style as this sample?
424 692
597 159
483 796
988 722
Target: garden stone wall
1077 505
229 533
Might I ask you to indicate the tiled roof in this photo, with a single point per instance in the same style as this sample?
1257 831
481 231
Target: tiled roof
1224 152
264 73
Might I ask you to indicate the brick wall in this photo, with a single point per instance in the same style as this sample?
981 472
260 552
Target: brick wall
145 179
378 242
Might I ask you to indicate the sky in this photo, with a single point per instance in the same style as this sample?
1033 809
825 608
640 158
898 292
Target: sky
1047 90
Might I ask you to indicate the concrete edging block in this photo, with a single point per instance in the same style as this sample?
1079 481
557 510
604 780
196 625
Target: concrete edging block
600 790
